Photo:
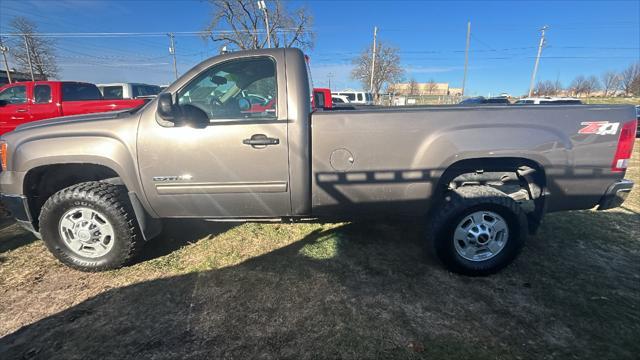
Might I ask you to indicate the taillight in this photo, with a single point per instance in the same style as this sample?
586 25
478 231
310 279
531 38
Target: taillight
625 146
3 155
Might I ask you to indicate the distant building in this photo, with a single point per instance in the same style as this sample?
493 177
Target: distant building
430 88
17 76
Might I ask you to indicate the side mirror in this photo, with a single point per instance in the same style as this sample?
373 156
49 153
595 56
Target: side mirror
3 103
166 108
244 104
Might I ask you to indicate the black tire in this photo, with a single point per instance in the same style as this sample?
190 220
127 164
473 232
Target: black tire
460 203
111 201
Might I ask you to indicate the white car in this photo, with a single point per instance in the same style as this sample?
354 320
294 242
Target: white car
549 101
356 97
128 90
339 99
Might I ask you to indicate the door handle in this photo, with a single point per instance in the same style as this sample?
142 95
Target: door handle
261 140
21 110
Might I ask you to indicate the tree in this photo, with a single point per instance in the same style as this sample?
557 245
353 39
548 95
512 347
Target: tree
387 68
548 88
413 87
240 23
610 83
592 84
630 79
432 86
578 85
42 53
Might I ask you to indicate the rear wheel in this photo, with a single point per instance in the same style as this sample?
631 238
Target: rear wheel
91 226
479 230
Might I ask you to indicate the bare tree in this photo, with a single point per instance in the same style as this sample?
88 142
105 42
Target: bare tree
387 67
578 85
635 86
432 86
592 85
544 88
548 88
240 23
42 53
610 83
414 88
629 77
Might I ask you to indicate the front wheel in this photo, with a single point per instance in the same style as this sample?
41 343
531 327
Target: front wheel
91 226
479 231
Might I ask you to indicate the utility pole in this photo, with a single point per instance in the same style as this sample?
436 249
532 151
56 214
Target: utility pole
26 45
262 6
172 51
4 50
535 67
466 57
329 76
373 59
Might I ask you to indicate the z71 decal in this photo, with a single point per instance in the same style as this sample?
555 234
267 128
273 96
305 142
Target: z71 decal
599 128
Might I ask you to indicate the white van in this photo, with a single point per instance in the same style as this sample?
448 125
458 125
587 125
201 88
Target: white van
356 97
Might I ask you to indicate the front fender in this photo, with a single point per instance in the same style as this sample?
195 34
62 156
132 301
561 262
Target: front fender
92 149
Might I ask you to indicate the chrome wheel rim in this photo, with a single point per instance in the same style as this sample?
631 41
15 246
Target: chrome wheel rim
481 235
86 232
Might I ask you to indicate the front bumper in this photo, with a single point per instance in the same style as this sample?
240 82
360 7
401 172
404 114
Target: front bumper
616 194
19 208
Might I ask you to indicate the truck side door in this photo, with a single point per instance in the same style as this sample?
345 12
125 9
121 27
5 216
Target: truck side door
42 104
14 107
237 165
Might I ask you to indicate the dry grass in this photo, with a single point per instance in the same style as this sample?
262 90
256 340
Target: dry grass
206 290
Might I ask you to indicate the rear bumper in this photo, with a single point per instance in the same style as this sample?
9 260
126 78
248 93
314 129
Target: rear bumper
19 208
616 194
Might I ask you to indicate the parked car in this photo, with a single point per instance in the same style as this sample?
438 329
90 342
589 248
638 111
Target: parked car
24 102
482 100
322 99
95 187
115 91
357 97
549 101
339 99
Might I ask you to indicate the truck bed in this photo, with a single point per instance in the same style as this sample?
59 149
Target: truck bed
390 159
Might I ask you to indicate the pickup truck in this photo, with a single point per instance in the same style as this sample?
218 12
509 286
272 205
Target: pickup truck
116 91
95 187
23 102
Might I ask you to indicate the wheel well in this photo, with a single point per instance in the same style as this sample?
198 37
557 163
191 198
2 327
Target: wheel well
522 179
42 182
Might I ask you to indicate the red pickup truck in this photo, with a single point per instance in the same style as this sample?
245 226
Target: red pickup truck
28 101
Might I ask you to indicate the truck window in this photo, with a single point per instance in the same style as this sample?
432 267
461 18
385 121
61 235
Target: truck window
14 95
359 96
221 90
350 96
112 92
144 90
319 98
80 92
42 94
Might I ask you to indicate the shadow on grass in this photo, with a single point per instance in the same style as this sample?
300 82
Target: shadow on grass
365 291
13 237
178 233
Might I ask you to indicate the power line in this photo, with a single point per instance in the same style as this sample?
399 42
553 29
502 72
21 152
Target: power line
144 34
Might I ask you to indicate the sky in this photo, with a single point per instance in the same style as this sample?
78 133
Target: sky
584 38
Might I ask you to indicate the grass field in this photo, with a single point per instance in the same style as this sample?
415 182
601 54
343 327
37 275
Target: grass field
206 290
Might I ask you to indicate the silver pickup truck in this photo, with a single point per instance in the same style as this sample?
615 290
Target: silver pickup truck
96 186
